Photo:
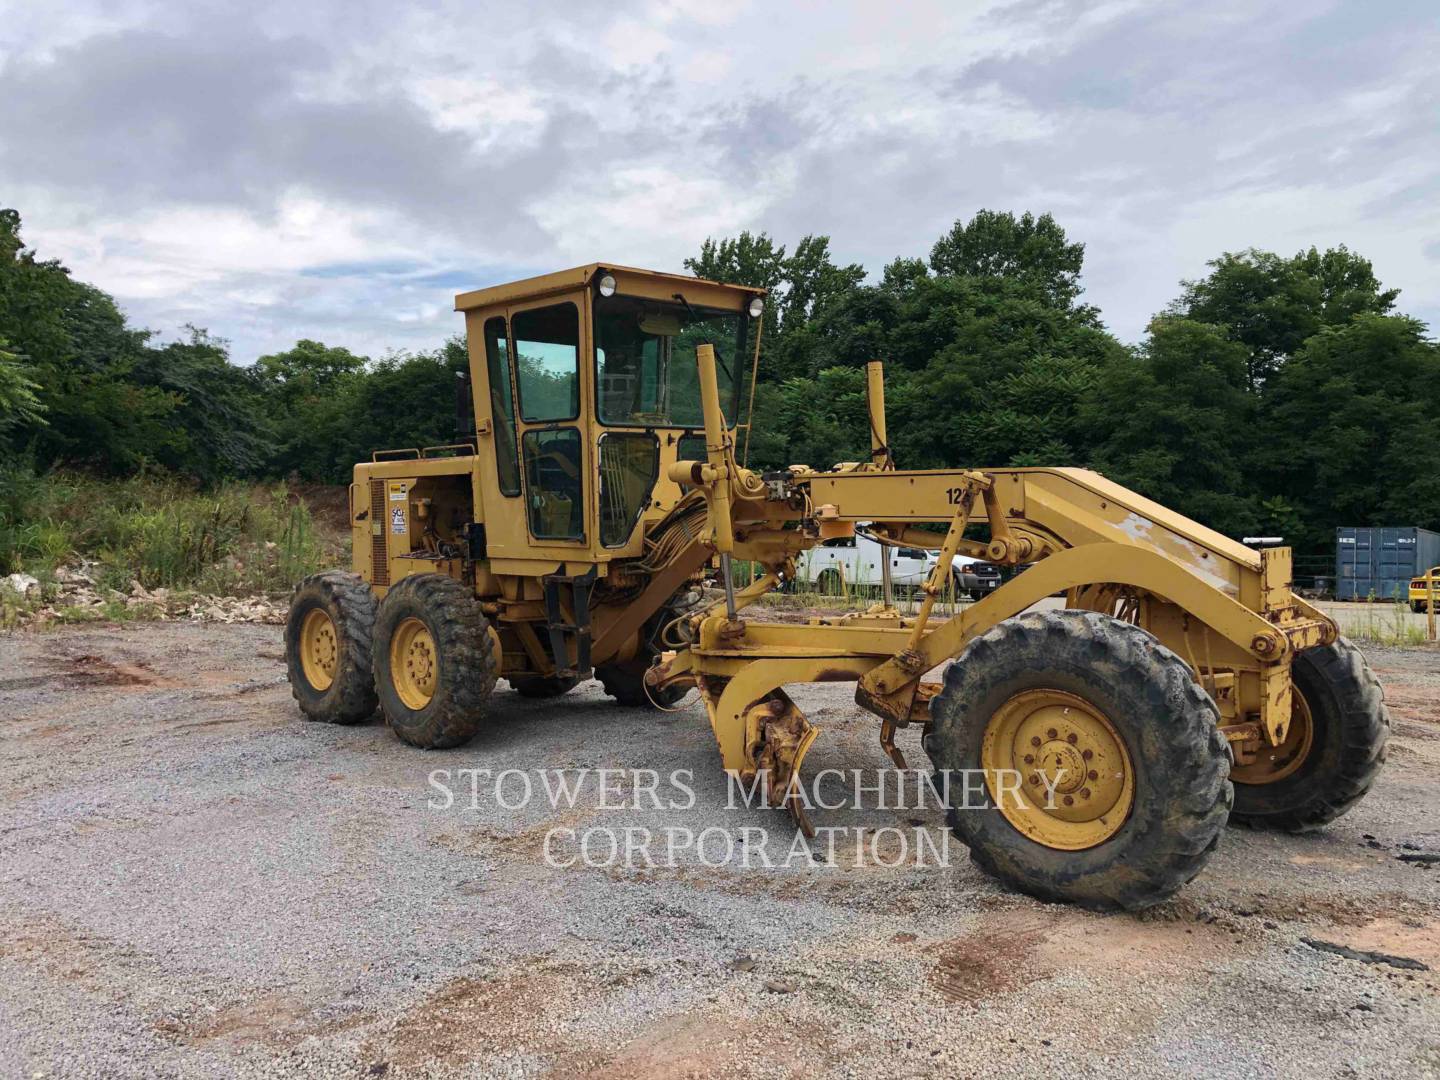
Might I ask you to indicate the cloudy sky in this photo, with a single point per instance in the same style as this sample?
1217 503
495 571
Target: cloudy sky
338 171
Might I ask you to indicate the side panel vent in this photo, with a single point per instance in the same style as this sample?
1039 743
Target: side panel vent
379 556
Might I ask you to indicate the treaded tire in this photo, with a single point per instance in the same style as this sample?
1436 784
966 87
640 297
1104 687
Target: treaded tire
625 681
1351 732
465 660
543 686
1169 726
346 598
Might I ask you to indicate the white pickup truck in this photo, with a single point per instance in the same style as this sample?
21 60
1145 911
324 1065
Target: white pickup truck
855 560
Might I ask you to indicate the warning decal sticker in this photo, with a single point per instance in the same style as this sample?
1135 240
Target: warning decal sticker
397 519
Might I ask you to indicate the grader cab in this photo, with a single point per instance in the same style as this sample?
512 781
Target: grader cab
569 532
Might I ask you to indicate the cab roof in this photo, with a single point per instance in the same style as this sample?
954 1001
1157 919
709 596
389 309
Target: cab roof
630 278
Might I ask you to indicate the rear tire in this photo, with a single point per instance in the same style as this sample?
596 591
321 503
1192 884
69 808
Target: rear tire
1063 669
543 686
327 648
435 663
625 681
1343 755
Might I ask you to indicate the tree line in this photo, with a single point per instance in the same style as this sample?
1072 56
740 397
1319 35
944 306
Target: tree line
1277 395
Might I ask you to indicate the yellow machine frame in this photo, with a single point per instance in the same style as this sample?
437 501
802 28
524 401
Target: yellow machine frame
1228 610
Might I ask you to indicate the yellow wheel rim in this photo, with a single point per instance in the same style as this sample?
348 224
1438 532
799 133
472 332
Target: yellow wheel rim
414 666
319 649
1274 763
1057 769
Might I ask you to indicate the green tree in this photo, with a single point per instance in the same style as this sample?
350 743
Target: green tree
1174 421
220 426
306 389
1029 249
1273 304
78 351
802 289
19 404
1353 429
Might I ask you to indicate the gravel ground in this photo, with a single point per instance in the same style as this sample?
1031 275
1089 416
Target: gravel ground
194 881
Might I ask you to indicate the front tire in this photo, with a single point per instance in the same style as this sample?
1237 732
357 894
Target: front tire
1339 732
435 663
1101 712
327 648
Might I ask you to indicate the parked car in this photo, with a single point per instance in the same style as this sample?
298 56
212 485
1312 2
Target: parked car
975 576
855 560
1420 591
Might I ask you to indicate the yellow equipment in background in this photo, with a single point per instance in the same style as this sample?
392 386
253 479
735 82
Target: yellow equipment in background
568 532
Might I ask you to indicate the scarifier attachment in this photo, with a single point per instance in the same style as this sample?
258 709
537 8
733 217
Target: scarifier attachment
777 738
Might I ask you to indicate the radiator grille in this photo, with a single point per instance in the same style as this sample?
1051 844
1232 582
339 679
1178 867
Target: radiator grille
379 556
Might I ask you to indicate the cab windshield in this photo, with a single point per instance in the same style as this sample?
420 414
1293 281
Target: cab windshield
645 361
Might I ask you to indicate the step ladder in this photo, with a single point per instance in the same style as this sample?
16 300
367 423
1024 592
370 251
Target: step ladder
580 587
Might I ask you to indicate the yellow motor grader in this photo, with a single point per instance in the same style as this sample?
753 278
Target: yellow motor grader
568 532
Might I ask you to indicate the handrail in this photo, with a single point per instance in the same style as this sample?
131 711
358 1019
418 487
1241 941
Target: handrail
467 448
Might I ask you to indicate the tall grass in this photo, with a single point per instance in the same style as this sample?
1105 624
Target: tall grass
236 539
1382 624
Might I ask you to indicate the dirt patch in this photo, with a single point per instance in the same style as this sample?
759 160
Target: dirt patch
89 669
991 962
469 1018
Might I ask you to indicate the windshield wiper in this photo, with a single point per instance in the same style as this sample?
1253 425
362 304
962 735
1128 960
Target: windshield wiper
696 316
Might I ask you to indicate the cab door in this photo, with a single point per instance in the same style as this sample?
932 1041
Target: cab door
545 349
533 461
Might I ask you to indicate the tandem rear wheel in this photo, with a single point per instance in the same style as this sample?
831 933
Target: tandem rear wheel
1333 750
435 661
328 648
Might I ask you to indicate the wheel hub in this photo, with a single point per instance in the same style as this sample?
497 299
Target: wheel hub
1273 763
319 649
413 666
1076 783
1061 767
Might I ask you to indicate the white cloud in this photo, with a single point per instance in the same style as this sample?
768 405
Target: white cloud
337 172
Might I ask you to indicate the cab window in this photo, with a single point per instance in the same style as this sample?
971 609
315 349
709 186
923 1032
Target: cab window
645 360
547 362
552 480
629 467
502 407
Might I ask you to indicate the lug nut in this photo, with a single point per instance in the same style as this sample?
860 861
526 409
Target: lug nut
1088 754
1029 759
1035 741
1084 793
1069 801
1035 779
1072 738
1093 775
1052 734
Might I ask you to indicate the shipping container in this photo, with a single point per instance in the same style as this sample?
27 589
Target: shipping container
1378 563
